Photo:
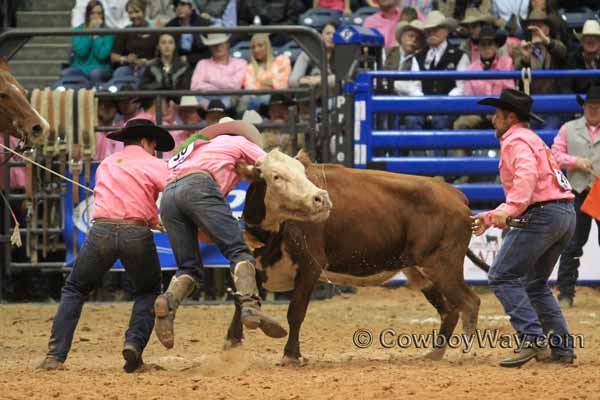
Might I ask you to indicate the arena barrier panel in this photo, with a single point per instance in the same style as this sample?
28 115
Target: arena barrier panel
372 96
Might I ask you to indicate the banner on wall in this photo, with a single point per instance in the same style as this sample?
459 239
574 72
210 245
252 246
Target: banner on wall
78 221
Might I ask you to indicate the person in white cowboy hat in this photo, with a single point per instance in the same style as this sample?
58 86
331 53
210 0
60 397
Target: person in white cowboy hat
440 55
202 173
586 56
410 37
471 25
221 71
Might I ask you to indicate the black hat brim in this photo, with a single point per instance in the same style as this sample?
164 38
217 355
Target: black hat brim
580 100
498 103
164 140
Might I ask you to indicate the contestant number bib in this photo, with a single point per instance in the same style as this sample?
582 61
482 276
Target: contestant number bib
181 156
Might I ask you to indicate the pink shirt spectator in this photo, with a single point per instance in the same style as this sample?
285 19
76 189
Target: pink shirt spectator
105 147
210 75
18 176
218 157
481 87
332 4
385 25
560 148
527 171
128 184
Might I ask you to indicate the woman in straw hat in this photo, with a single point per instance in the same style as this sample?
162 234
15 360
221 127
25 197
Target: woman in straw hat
201 175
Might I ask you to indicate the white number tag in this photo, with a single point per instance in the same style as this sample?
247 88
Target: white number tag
562 180
181 156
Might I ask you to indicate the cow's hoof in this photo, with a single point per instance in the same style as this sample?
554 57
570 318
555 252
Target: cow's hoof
435 355
288 361
231 344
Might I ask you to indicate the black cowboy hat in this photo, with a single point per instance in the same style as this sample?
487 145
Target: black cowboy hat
278 98
489 32
143 128
216 105
592 94
513 100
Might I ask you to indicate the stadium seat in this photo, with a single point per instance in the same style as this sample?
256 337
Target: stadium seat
576 17
319 17
241 50
72 82
359 15
290 49
115 84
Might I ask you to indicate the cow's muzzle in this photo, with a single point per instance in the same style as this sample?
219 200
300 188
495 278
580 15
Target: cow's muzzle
321 206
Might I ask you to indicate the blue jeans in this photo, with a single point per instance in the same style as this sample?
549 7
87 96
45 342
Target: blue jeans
95 76
519 275
195 201
106 243
569 259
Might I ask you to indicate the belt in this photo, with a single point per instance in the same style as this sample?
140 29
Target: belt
543 203
138 222
198 171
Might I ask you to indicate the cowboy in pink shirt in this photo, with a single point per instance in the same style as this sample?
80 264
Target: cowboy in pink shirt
536 190
385 21
201 175
577 148
127 186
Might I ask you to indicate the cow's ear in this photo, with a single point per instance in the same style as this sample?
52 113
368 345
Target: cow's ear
304 158
4 64
247 172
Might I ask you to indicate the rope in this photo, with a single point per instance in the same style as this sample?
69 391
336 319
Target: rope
47 169
15 238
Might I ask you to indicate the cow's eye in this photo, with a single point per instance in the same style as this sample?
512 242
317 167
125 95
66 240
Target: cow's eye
275 177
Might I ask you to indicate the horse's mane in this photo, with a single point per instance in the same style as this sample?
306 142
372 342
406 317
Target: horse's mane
8 78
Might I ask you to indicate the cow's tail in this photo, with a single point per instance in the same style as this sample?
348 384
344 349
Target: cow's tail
478 261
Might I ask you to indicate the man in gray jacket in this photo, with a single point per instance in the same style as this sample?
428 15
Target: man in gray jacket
577 148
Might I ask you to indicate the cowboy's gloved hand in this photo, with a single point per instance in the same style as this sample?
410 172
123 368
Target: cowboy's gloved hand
583 163
499 218
478 224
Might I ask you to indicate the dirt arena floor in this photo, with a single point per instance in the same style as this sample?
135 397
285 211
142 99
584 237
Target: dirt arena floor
197 368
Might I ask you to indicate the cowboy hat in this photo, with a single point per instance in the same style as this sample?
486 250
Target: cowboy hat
138 128
216 105
229 126
213 39
415 25
592 94
473 15
489 32
512 100
278 98
436 19
189 102
590 28
537 15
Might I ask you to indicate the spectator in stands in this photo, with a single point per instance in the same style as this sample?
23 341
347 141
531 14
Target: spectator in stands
160 12
339 5
542 52
586 56
577 149
562 30
411 36
134 52
115 15
107 113
265 71
489 59
219 12
167 71
385 20
189 45
190 111
306 72
439 55
269 12
91 54
507 10
278 111
128 107
221 71
215 111
472 23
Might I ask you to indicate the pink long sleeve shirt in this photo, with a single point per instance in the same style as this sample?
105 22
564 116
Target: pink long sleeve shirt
560 148
218 157
528 172
18 176
127 185
386 25
210 75
493 87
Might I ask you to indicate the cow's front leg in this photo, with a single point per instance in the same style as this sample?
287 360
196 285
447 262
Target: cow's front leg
235 333
304 285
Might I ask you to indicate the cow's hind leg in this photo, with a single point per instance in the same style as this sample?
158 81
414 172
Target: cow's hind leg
469 308
235 333
448 320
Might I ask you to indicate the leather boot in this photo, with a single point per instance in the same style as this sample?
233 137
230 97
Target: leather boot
244 278
132 357
51 364
522 356
166 306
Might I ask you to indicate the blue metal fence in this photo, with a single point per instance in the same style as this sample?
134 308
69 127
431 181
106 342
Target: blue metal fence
368 138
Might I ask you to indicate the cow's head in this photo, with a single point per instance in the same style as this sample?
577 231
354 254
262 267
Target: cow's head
280 191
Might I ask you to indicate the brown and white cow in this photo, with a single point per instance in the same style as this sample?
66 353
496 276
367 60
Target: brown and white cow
380 223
